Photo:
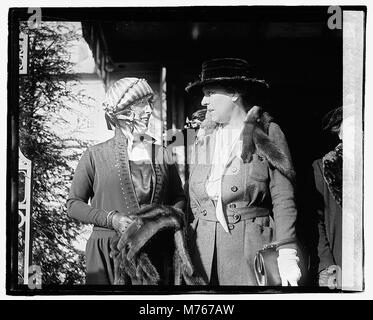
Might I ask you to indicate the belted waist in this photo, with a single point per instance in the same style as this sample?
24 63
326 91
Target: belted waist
235 212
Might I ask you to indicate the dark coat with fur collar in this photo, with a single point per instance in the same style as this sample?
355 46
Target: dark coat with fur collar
257 196
328 182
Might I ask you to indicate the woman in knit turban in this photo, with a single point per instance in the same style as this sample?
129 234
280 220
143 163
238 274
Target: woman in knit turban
134 191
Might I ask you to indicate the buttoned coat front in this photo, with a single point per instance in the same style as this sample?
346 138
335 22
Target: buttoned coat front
258 202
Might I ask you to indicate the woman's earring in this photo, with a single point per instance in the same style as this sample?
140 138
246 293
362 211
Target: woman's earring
234 99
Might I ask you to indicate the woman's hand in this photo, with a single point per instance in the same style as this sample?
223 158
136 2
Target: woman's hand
330 277
120 223
288 266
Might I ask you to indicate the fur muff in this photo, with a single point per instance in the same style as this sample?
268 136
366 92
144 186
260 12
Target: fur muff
132 264
332 168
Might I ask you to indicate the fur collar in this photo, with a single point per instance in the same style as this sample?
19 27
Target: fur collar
256 139
270 145
332 168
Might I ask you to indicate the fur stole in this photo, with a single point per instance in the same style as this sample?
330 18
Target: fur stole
258 138
132 262
332 164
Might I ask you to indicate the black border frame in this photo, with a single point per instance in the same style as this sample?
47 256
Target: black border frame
133 13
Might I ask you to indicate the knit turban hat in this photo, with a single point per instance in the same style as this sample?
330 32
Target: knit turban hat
123 93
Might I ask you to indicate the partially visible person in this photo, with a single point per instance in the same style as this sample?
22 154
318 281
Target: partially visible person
328 182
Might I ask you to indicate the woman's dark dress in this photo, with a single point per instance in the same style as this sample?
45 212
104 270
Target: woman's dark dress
101 267
109 181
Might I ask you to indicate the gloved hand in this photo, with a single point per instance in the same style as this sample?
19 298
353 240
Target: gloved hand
120 222
288 266
330 277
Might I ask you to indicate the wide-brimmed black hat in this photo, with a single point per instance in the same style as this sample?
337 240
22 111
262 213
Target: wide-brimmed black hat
226 71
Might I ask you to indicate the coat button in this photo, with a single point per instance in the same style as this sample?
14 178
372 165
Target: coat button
232 205
234 169
234 188
204 212
230 226
236 217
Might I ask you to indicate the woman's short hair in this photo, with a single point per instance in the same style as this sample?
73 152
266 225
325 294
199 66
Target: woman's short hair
251 94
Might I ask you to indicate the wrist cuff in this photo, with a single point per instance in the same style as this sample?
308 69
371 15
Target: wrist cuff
109 219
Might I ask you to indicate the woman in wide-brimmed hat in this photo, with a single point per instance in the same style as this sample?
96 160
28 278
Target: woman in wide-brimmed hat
135 194
241 184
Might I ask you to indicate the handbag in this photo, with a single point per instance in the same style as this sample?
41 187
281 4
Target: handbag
266 267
